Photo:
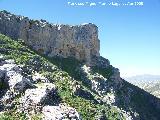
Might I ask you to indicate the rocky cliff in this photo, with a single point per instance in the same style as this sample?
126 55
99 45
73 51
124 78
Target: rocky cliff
39 87
42 88
80 42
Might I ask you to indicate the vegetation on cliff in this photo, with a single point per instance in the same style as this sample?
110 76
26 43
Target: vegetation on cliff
108 99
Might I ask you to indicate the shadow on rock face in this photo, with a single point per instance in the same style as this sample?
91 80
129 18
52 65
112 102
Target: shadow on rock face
52 98
3 82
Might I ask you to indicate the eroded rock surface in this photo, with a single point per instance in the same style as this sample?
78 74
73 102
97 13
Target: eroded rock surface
97 82
12 83
80 41
34 99
35 96
60 112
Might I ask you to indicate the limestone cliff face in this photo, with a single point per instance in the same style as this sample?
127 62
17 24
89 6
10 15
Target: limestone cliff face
80 41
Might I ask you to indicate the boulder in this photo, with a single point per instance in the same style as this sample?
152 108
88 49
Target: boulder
60 112
17 82
34 99
12 83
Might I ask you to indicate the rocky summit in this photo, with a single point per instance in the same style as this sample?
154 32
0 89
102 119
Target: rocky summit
38 84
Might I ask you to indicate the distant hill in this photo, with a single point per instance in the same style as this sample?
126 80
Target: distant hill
143 78
150 83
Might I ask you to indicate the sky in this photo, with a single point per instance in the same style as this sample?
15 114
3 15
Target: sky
129 35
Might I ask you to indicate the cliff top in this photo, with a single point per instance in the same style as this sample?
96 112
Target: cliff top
41 21
78 41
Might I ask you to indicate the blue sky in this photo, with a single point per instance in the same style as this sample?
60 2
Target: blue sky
129 35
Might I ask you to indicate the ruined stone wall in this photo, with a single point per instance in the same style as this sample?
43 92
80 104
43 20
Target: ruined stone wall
80 41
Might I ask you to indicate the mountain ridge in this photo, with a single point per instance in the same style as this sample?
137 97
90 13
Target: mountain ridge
36 86
79 41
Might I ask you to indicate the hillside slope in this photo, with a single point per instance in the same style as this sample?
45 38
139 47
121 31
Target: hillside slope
50 84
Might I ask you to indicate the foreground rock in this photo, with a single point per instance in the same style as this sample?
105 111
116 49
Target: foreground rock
34 99
12 83
37 96
44 99
60 112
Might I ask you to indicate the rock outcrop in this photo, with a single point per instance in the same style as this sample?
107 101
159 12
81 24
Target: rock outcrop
35 87
60 112
80 42
35 96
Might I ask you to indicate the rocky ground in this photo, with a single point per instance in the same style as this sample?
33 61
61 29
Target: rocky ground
35 95
34 86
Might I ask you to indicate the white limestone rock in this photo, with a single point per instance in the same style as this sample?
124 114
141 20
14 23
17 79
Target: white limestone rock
13 77
12 83
39 78
60 112
79 41
33 99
